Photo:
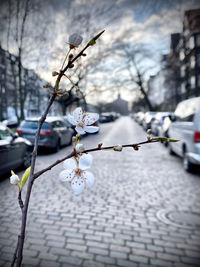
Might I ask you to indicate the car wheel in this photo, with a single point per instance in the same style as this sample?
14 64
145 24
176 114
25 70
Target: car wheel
188 166
27 159
57 147
171 152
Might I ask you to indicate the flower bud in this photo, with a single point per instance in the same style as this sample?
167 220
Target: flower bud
75 40
70 57
55 73
80 148
46 85
84 54
71 66
149 131
14 179
117 148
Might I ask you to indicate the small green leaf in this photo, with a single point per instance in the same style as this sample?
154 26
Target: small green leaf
161 139
12 172
172 140
25 176
164 139
93 40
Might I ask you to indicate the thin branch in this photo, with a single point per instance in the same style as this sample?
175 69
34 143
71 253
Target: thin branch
15 254
72 154
21 204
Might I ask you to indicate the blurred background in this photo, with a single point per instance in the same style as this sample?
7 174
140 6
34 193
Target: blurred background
143 73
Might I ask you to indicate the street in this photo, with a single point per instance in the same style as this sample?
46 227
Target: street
144 209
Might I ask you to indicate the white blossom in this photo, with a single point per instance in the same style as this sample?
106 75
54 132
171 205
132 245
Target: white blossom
83 121
14 179
118 148
80 148
77 174
75 40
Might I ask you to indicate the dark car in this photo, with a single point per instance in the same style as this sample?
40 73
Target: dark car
106 117
15 151
54 132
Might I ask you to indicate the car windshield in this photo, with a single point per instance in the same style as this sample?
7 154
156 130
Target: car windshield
34 124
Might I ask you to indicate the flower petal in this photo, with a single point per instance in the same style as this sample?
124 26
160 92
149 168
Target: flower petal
66 175
90 118
80 130
78 115
70 164
91 129
85 161
89 178
71 119
78 184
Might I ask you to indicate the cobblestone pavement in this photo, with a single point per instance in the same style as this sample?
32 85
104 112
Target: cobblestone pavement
144 210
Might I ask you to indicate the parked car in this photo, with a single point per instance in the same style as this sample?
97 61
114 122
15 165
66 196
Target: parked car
54 132
69 125
158 122
163 129
149 117
15 151
106 117
185 127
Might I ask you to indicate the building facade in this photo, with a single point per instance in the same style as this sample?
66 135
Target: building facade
179 75
35 96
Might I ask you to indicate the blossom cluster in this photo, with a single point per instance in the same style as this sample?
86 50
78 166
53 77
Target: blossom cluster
76 168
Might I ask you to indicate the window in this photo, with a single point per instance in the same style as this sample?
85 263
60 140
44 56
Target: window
198 60
181 54
192 81
192 62
191 42
198 40
34 125
198 80
5 134
182 71
186 110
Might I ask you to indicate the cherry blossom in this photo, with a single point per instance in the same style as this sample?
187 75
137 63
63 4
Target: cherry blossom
14 179
77 174
83 121
75 40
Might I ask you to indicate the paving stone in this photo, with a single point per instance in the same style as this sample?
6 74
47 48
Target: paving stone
126 263
119 255
96 250
113 224
139 259
70 260
105 259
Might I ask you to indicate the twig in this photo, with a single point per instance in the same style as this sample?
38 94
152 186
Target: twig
21 204
72 154
21 237
15 254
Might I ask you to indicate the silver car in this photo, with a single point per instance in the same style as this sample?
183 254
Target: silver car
54 132
185 127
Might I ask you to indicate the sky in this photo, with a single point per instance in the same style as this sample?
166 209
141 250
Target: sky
146 23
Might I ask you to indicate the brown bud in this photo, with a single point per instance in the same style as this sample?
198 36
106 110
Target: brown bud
136 147
70 57
84 55
71 66
55 73
46 85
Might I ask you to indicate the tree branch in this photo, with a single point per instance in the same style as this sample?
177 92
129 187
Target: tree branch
72 154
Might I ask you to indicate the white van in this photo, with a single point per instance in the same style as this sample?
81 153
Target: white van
185 127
